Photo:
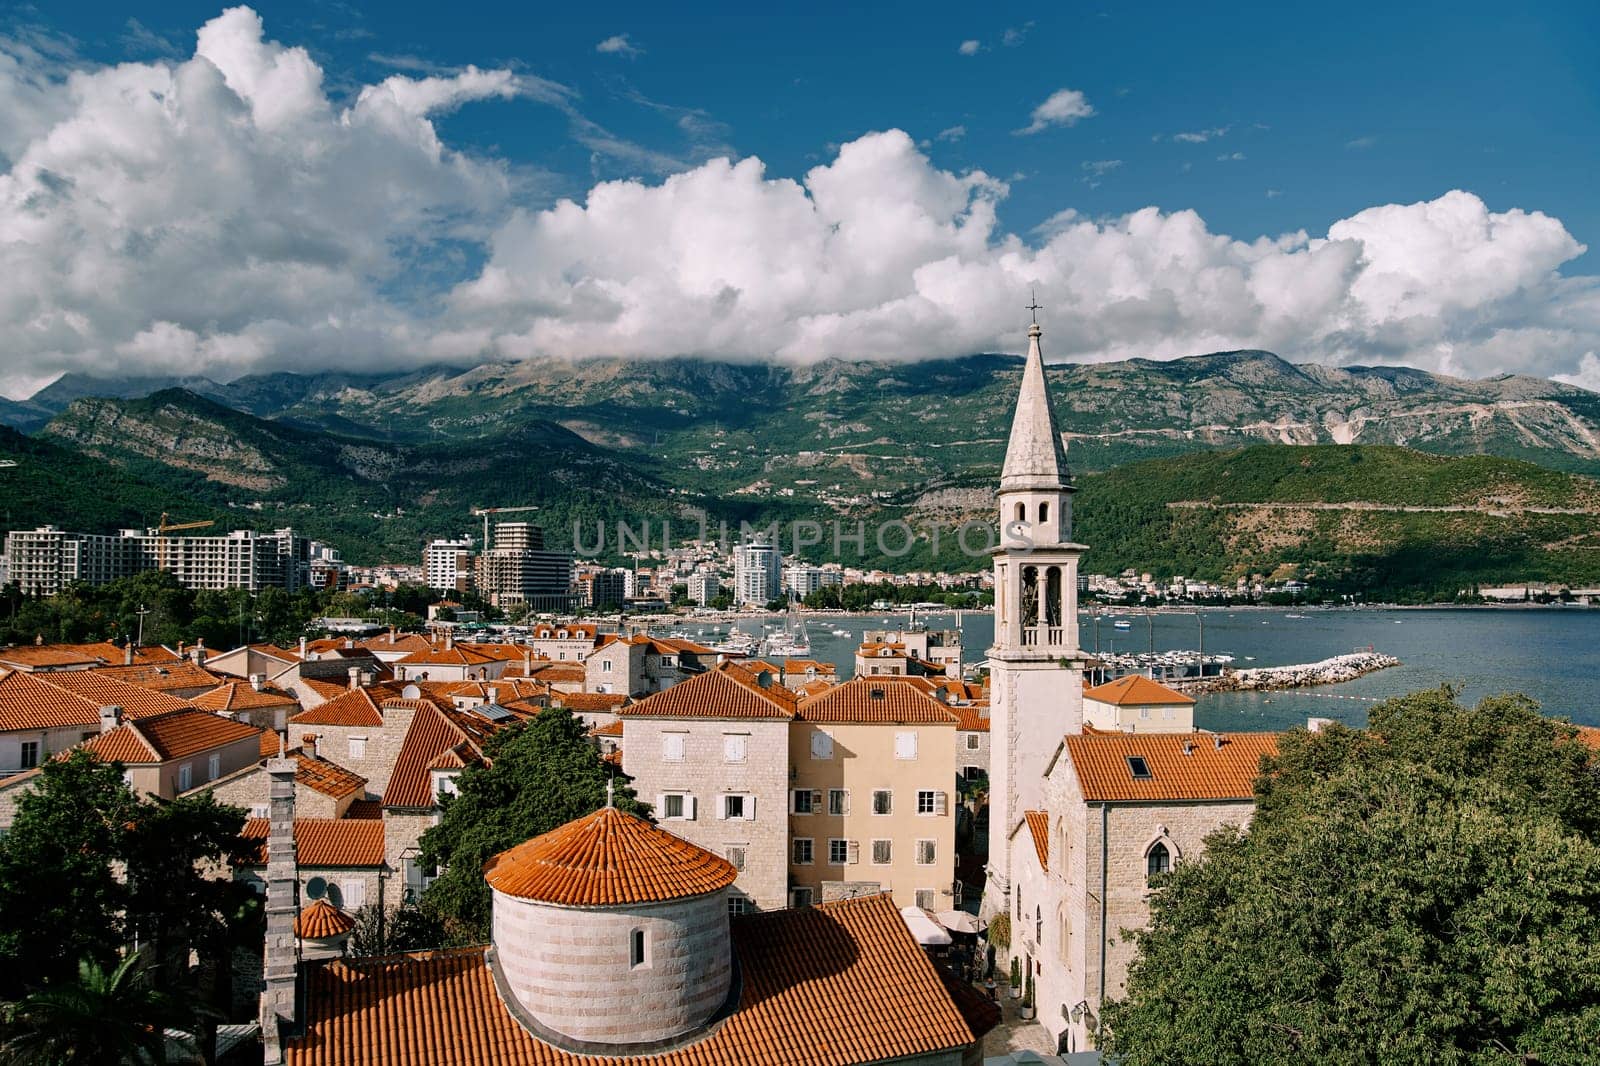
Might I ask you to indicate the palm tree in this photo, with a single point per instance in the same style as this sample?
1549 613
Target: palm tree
105 1016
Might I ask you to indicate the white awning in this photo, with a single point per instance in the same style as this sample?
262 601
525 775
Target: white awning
959 921
928 932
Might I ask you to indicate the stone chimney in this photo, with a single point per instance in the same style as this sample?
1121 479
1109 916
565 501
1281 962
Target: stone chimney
349 642
449 639
257 681
281 959
308 744
492 693
355 677
302 647
391 634
527 663
127 654
110 718
198 652
1216 741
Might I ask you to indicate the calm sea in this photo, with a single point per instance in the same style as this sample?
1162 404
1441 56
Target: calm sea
1552 654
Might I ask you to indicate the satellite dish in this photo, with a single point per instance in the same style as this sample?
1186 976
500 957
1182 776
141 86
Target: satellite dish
316 888
411 692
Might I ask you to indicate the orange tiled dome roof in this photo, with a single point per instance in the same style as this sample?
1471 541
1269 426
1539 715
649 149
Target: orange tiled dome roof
322 919
604 859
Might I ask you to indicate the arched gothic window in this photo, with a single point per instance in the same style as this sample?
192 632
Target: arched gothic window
1022 512
1158 860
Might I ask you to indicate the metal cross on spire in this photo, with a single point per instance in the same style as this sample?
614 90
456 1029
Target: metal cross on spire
611 784
1034 307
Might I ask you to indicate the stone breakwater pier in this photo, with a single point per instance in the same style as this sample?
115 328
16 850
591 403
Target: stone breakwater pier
1327 672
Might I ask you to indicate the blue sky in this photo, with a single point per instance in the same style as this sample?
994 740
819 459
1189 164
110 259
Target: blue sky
1262 119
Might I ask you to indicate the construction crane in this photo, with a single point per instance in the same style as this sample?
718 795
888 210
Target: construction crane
166 527
172 527
487 511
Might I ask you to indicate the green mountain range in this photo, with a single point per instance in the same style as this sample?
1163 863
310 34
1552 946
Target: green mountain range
378 463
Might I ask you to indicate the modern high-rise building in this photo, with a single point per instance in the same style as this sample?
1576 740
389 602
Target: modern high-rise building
45 560
704 587
448 565
518 570
757 570
607 589
802 579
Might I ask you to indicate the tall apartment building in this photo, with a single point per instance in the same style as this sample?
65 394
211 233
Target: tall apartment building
518 570
448 565
757 570
704 586
45 560
802 579
607 588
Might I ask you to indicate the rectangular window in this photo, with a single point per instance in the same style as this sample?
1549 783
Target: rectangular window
185 777
30 754
736 855
802 801
838 852
838 801
799 897
882 853
821 745
802 851
605 666
358 747
925 852
905 745
672 805
733 747
930 802
738 805
213 767
882 801
672 746
636 948
1144 712
260 810
925 898
972 742
355 894
738 905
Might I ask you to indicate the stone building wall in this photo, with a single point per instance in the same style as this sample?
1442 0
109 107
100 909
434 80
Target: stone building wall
706 774
571 966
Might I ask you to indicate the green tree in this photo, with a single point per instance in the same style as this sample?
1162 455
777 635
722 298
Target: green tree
172 906
59 900
1426 890
544 773
105 1015
384 930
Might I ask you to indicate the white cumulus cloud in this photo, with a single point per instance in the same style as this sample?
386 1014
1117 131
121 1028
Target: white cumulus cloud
223 214
969 48
618 45
1064 107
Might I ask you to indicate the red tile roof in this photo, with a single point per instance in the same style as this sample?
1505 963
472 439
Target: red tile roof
610 729
235 696
1100 761
115 653
1039 827
1136 690
437 738
551 672
324 841
588 701
326 777
162 676
322 919
870 700
47 656
355 706
829 985
800 666
163 737
364 808
40 701
727 692
460 655
604 859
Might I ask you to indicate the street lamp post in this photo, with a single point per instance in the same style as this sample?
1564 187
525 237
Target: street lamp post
1200 618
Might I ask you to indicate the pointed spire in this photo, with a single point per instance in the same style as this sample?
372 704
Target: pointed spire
1034 456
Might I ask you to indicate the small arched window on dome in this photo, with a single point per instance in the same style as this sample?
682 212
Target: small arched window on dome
1022 512
1158 860
638 955
1044 512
